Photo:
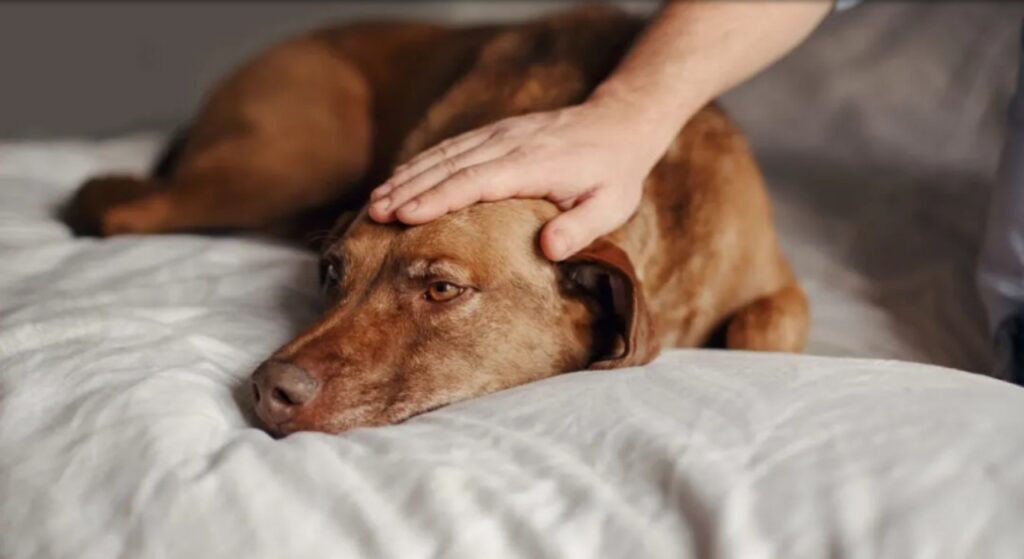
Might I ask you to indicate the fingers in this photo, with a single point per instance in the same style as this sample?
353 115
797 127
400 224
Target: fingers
446 150
385 208
491 181
573 230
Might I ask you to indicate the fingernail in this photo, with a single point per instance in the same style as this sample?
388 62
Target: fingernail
382 204
379 192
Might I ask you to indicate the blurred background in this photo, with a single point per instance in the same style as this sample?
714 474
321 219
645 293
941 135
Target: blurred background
105 67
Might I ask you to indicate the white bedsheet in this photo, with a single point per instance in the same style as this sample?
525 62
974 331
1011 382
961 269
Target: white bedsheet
123 429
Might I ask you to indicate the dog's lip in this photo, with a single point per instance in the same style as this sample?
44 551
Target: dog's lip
407 414
279 428
276 428
284 428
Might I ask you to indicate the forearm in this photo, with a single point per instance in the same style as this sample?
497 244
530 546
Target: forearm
695 50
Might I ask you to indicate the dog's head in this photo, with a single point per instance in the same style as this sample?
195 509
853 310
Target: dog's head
419 317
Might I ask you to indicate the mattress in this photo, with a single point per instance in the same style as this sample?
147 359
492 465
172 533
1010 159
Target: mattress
125 431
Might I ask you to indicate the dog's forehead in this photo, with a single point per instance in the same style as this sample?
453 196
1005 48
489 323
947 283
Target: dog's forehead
486 233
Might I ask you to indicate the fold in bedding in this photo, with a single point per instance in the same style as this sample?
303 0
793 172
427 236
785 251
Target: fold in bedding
124 430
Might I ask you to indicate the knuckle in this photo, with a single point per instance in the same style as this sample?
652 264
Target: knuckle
467 175
500 132
449 166
518 153
444 149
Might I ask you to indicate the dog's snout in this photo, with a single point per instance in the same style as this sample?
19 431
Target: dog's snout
279 389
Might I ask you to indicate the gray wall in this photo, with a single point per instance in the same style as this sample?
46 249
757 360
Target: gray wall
99 68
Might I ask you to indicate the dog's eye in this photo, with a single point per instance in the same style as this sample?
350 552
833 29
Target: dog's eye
330 273
442 291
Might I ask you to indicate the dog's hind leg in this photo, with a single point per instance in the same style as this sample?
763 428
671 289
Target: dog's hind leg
86 212
288 133
231 186
248 183
775 322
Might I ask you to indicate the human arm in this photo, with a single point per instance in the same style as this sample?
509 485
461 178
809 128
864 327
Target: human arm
591 159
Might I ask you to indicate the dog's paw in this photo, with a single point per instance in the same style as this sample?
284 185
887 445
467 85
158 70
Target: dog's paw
99 206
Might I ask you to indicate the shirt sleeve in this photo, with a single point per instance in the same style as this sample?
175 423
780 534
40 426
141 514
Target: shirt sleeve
843 5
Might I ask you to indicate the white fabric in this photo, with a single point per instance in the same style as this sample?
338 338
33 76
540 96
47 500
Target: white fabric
124 430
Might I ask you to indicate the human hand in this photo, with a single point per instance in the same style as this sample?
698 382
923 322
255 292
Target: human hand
582 158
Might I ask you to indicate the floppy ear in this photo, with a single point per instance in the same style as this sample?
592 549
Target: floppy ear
624 334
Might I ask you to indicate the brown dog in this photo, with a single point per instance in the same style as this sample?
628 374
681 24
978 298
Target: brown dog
423 316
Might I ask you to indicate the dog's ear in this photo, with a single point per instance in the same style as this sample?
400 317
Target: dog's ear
624 335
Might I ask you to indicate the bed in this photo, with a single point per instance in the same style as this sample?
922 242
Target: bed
124 429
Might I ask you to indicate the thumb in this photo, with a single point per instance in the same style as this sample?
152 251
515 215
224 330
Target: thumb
573 230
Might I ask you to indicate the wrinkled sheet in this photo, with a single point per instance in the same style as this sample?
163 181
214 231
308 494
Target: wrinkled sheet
124 430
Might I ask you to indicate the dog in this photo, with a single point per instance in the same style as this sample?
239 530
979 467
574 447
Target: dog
420 317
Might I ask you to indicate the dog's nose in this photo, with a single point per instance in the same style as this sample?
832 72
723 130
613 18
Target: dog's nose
279 389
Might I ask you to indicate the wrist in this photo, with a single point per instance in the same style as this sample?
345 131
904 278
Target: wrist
643 119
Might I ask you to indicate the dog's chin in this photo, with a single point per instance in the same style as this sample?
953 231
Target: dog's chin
360 417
